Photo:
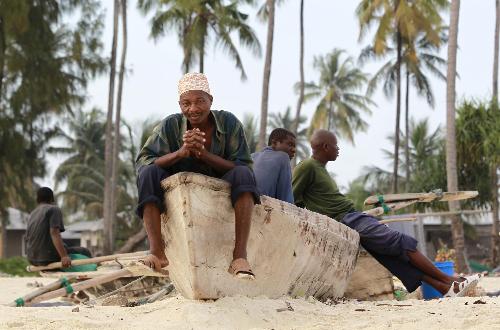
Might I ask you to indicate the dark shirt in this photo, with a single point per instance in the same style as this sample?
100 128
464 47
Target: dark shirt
273 174
228 142
314 189
39 244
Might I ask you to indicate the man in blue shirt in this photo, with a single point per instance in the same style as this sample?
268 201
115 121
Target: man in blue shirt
272 168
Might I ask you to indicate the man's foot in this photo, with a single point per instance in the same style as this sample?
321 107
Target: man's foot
155 262
241 269
463 286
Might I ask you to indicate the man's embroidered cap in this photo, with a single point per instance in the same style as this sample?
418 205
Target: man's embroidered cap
193 82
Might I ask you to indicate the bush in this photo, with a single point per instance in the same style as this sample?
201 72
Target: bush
14 266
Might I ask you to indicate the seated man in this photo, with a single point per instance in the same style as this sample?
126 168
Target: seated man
272 166
197 140
44 244
314 189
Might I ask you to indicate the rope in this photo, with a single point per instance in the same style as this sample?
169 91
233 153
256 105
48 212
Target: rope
91 302
65 283
19 302
382 203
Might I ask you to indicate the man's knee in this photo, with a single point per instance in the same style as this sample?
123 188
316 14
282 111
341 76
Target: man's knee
150 172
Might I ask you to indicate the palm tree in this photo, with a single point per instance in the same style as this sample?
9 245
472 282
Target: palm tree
198 22
404 19
108 155
82 172
301 67
418 57
116 135
270 6
494 170
285 120
251 134
457 229
338 90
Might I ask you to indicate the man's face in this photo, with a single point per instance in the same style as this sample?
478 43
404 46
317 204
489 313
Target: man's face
195 106
287 145
332 148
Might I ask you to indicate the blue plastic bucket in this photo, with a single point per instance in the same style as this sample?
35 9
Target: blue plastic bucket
428 291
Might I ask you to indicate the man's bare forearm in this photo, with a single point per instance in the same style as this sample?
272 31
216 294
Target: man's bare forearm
168 159
219 164
55 235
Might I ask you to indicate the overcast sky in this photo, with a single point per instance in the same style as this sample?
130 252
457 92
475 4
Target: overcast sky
155 67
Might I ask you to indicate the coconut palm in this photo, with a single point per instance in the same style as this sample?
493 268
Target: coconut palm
338 89
199 22
494 169
285 120
300 100
404 19
457 229
418 58
251 133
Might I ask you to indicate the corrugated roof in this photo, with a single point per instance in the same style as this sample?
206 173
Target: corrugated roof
17 220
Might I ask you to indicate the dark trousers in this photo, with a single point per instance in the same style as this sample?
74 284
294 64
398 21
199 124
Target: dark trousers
387 246
241 179
69 250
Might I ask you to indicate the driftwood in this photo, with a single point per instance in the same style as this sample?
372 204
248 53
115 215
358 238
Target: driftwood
57 265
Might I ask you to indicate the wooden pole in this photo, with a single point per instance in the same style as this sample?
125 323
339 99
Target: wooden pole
57 265
49 287
82 285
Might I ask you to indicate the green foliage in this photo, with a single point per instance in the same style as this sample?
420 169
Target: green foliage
199 22
45 65
478 148
14 266
83 171
338 89
251 131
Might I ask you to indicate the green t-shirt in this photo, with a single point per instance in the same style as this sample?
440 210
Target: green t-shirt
314 189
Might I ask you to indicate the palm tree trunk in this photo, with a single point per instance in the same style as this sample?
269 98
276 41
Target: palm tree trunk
457 229
108 155
407 133
398 115
2 55
267 75
494 176
202 54
117 136
301 66
330 114
5 222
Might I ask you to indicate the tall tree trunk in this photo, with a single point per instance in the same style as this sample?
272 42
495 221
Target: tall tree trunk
202 55
117 143
300 101
108 155
398 115
5 222
2 56
330 114
494 176
267 75
407 133
457 229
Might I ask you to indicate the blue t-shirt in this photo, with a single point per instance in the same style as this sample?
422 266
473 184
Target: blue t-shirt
273 174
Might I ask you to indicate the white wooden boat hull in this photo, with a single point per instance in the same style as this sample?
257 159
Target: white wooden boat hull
291 250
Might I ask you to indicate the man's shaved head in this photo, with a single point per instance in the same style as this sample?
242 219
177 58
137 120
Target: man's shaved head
320 137
324 145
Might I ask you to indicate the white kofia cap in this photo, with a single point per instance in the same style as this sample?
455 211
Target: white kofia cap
193 82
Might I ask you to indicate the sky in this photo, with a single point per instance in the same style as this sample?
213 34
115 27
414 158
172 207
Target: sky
150 88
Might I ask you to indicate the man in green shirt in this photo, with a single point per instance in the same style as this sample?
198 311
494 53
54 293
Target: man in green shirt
314 189
203 141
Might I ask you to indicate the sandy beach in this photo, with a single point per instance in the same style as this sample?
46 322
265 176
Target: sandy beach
259 313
